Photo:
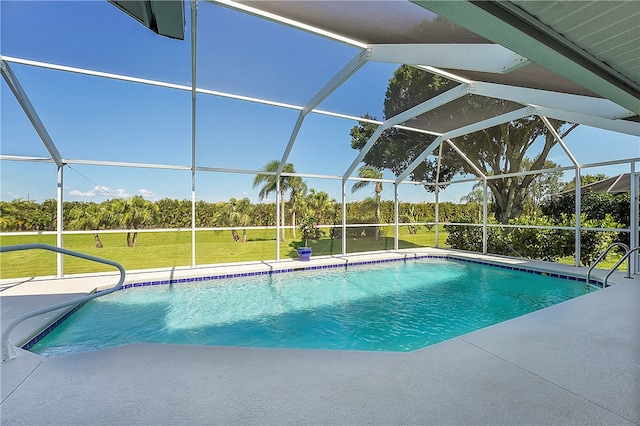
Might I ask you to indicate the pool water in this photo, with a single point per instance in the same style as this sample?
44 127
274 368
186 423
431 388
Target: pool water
397 306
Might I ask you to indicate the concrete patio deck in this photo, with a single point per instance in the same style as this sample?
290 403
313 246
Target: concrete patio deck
577 362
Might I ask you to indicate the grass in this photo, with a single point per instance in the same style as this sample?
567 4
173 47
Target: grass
172 249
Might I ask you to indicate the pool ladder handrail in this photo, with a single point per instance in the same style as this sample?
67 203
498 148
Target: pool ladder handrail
622 259
8 349
602 255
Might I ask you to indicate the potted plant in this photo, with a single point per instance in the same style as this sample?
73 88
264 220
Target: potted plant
308 229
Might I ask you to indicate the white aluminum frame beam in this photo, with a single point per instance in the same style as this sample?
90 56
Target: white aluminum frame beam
484 124
347 71
557 137
428 105
343 75
437 194
29 110
366 148
484 193
491 58
596 120
85 71
621 126
465 158
420 158
588 105
289 22
26 158
125 164
635 218
443 73
578 200
357 62
59 219
193 5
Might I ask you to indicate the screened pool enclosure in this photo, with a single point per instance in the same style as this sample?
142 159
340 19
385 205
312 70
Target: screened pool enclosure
185 133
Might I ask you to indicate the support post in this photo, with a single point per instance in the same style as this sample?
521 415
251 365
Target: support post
396 216
194 92
437 193
344 217
278 225
634 263
578 221
485 233
59 221
578 205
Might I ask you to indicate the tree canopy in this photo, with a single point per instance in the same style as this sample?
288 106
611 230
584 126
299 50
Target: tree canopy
497 150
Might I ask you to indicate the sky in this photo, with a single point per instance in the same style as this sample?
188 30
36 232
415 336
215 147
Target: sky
92 118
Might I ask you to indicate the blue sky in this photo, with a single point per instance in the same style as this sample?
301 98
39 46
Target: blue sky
100 119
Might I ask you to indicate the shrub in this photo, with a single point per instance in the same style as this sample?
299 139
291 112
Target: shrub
463 237
592 243
533 243
595 206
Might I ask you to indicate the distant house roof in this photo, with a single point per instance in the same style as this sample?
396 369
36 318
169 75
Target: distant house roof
613 185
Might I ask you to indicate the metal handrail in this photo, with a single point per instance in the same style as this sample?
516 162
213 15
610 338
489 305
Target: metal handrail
8 350
602 255
626 255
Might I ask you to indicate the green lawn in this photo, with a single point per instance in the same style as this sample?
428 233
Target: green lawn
169 249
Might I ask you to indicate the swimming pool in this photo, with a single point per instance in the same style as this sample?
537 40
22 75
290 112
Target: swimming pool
396 306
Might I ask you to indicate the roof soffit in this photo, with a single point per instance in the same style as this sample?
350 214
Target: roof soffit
502 23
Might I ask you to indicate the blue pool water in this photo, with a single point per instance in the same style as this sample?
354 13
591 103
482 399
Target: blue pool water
398 306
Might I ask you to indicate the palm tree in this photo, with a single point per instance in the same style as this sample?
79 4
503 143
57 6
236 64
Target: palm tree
297 202
4 220
7 216
319 205
17 211
88 216
135 213
269 184
237 213
370 172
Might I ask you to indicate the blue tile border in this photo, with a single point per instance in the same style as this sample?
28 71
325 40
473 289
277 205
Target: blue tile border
351 264
51 327
348 264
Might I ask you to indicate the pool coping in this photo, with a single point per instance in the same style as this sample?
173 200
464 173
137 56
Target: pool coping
346 263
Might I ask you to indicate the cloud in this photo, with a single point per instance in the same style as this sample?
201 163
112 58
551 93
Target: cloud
103 191
146 194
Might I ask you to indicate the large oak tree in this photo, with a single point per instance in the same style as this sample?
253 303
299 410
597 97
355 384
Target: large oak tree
497 150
